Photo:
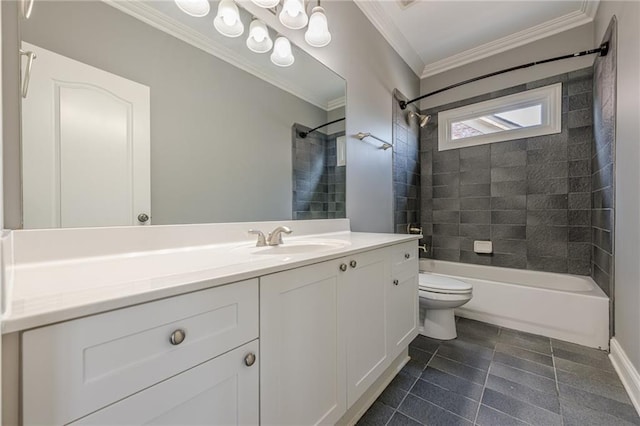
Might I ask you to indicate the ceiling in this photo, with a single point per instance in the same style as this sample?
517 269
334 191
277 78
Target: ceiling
435 36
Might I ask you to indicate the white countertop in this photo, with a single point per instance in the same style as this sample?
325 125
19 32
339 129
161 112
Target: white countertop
52 290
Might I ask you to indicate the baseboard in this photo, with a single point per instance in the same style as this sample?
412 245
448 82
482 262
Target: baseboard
361 406
628 374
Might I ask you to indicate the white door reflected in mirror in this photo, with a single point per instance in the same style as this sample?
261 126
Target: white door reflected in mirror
86 146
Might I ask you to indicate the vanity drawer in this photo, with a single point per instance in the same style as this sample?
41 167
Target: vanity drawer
404 259
74 368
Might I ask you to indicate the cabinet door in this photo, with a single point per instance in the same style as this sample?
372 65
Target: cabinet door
223 391
303 376
402 326
74 368
365 319
402 298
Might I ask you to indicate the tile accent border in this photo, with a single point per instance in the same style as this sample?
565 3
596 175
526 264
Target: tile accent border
626 371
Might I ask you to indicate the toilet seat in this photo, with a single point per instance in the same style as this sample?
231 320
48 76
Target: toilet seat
443 285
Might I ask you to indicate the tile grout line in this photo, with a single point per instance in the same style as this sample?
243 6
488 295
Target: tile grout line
486 379
396 410
555 374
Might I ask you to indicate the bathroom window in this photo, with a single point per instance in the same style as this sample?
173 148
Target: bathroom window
522 115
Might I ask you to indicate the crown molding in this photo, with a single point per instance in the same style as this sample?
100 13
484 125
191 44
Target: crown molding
385 26
336 103
582 16
160 21
590 7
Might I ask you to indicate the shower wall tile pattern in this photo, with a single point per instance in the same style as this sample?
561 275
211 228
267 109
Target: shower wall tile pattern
603 168
530 197
406 168
319 186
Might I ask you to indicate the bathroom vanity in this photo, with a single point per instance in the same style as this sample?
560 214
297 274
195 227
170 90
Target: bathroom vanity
148 327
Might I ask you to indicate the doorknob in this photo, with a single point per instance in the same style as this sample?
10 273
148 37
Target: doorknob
143 217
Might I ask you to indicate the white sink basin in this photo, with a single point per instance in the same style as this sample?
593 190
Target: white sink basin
296 247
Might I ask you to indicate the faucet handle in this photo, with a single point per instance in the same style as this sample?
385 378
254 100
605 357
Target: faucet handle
261 238
277 234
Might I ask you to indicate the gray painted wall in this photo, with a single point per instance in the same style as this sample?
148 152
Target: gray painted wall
221 144
12 194
574 40
372 70
627 172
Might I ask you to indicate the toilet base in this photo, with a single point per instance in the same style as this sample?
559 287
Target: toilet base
440 324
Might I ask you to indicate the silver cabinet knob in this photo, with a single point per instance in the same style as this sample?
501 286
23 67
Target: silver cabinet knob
177 337
353 263
343 267
407 255
250 359
396 282
143 217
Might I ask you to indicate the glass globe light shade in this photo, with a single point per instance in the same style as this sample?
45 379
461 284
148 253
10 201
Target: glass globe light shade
197 8
282 55
227 20
317 34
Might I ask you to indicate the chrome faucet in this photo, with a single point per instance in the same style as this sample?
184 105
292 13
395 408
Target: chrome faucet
262 242
275 236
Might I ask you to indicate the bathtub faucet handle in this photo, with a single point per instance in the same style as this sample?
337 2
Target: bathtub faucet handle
424 248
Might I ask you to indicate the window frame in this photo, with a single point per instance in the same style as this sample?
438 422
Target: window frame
550 97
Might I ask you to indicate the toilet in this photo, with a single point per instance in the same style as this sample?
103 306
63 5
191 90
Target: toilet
439 296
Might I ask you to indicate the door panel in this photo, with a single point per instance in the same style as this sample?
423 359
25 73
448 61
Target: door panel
85 146
367 355
303 351
223 391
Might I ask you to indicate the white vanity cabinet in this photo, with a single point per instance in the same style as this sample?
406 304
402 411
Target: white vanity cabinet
300 346
402 299
303 347
78 367
365 313
223 391
328 331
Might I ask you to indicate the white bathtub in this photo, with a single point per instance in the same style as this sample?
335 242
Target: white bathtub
566 307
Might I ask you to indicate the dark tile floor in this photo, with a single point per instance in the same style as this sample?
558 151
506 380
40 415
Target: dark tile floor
494 376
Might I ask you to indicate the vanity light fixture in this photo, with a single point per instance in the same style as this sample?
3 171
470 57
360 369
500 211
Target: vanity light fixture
293 14
227 21
318 34
282 55
259 40
197 8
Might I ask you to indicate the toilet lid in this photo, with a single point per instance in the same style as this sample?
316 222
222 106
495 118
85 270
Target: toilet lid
440 284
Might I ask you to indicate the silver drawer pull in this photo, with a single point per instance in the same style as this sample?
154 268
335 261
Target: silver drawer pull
396 282
343 267
177 337
407 255
353 263
250 359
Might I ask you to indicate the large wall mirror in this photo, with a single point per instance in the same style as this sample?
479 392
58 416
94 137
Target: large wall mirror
137 113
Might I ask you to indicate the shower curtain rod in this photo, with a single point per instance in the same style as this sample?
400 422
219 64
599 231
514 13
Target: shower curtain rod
304 134
602 50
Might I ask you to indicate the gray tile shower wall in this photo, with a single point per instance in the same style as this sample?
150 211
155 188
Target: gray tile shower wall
530 197
318 184
336 180
406 168
602 164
